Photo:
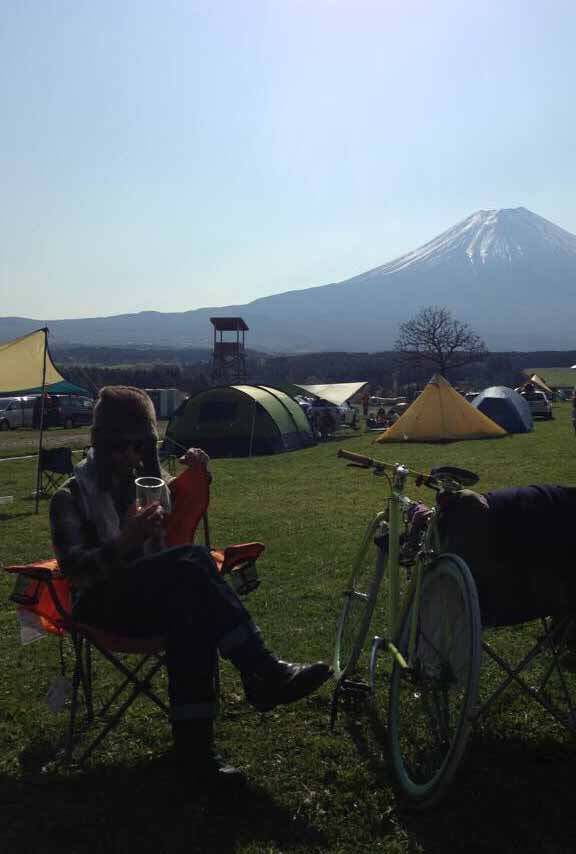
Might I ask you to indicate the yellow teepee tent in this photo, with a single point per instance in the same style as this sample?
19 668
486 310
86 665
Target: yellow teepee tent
539 383
441 414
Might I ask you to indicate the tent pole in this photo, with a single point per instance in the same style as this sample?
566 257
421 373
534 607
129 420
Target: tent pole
252 428
40 438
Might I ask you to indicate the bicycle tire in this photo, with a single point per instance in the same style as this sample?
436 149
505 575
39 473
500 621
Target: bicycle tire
431 706
360 600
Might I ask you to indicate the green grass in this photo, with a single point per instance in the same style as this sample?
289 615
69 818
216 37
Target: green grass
310 790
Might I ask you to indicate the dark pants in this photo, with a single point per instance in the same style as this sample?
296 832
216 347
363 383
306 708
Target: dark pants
179 595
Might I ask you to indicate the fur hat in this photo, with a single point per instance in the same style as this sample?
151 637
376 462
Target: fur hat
123 412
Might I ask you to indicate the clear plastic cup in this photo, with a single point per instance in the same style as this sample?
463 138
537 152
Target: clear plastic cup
148 491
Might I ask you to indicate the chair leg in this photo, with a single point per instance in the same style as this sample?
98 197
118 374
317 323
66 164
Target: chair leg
140 687
77 681
514 676
87 679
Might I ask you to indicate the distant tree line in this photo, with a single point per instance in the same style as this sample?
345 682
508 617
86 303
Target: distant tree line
431 341
382 371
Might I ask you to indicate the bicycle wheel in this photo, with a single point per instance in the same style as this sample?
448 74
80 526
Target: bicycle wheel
359 601
431 704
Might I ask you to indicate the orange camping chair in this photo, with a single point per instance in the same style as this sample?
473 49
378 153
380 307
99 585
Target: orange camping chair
43 598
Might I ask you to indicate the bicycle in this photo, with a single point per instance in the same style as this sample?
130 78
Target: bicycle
433 632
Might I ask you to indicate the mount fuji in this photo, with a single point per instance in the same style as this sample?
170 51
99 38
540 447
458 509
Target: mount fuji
509 273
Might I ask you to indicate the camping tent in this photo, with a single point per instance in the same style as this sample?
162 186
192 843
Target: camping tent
506 407
540 384
26 367
239 421
441 414
337 393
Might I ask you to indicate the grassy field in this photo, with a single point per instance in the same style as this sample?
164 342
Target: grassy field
310 790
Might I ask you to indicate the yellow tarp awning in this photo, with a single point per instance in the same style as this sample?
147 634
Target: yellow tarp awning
22 361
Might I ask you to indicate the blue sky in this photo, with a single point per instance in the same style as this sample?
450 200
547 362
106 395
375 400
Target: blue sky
174 154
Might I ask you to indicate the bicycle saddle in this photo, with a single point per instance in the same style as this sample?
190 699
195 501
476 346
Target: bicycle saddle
463 476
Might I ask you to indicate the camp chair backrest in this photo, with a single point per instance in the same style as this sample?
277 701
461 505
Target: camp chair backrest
190 493
58 460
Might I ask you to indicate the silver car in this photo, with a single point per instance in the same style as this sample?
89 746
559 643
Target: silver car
540 406
16 412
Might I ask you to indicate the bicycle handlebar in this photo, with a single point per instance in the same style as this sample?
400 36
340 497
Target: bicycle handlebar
371 463
447 478
357 459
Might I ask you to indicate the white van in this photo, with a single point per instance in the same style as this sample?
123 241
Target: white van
16 412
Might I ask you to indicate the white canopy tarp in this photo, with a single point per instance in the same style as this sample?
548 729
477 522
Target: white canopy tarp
334 392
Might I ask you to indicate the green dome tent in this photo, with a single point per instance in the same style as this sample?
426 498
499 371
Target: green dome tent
239 421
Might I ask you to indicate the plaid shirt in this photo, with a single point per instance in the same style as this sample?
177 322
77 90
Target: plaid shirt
82 558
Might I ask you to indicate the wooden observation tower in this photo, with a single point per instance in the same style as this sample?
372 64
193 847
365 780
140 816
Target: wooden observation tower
228 357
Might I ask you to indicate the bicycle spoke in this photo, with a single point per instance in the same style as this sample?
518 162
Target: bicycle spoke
430 704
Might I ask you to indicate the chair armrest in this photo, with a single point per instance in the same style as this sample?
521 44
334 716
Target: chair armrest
242 553
35 573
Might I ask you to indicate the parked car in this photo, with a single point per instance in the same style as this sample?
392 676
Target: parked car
16 412
539 404
341 415
70 411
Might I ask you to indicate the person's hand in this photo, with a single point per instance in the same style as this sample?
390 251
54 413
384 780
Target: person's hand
194 455
141 525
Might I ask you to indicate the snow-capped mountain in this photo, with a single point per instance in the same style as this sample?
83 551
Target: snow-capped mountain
485 237
509 273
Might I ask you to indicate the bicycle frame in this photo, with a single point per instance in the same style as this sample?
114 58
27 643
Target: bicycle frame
398 502
389 561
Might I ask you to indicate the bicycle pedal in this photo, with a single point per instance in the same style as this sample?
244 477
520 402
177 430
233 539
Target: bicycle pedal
354 695
349 686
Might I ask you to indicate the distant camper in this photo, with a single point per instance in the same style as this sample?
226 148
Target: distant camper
166 400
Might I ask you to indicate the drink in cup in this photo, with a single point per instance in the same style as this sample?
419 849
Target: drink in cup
148 491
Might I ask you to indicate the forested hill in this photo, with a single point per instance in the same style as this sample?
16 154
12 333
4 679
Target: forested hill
190 370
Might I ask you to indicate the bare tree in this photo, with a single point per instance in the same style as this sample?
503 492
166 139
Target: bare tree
433 335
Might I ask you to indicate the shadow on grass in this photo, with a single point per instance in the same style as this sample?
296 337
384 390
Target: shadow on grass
509 795
149 807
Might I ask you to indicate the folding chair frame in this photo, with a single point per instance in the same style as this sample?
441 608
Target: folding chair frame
84 639
552 641
137 681
52 477
140 679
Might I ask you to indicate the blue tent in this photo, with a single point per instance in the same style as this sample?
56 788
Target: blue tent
506 407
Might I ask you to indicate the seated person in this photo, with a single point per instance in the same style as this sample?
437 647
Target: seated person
518 544
381 417
124 582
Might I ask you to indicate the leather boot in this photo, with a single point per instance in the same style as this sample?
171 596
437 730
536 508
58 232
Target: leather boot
284 684
194 747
